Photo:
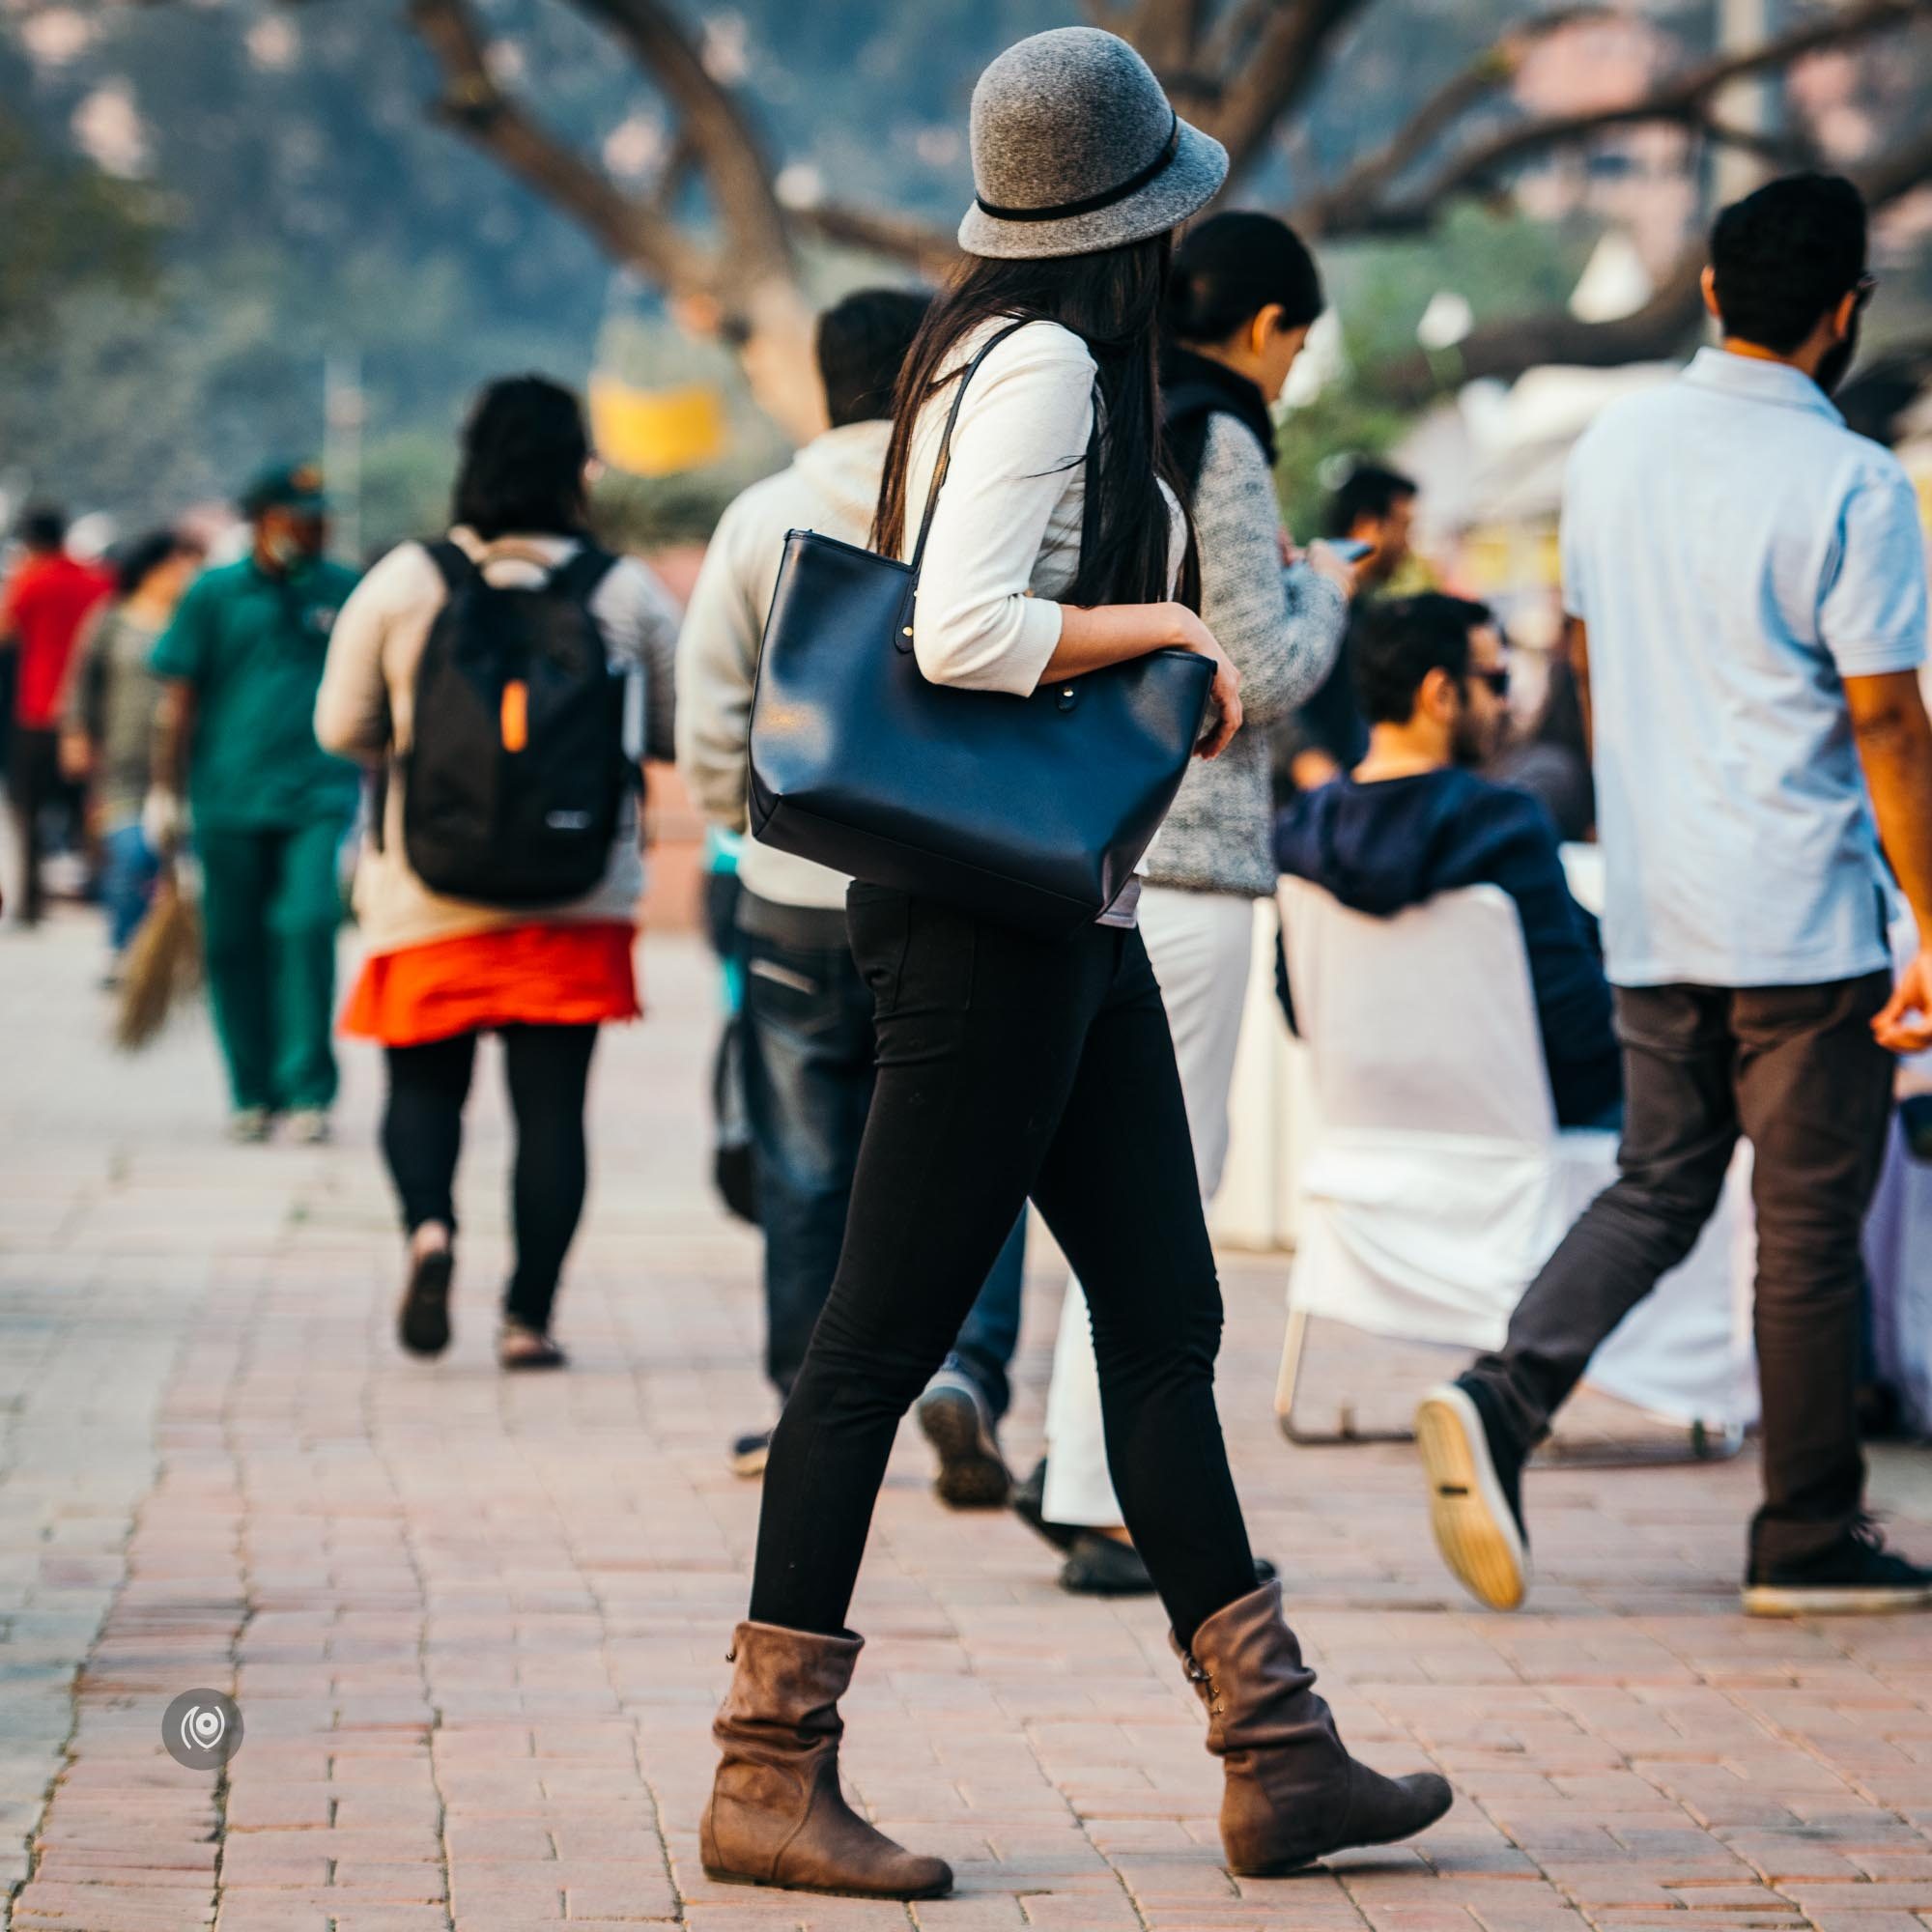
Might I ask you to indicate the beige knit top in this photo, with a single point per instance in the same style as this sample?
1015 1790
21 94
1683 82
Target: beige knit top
368 697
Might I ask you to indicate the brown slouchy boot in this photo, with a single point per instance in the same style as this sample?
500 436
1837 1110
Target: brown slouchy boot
777 1815
1294 1794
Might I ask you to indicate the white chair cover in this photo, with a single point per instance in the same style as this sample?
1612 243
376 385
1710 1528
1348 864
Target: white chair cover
1898 1241
1437 1182
1899 1251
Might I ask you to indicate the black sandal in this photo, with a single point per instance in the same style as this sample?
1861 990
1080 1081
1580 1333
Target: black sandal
422 1321
519 1347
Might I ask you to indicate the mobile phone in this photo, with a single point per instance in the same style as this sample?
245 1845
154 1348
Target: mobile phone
1350 550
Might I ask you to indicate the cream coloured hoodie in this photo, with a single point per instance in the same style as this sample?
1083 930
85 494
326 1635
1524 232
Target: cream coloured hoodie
367 703
831 485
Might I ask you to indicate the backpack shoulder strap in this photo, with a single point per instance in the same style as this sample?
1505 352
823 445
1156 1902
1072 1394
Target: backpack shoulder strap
452 562
579 577
945 455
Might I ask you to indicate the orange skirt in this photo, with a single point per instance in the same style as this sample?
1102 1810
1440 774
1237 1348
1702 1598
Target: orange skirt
513 976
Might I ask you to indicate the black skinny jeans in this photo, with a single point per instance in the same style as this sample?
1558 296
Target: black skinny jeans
1011 1066
547 1069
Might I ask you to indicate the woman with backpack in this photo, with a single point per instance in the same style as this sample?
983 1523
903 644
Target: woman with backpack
492 679
1012 1065
1243 295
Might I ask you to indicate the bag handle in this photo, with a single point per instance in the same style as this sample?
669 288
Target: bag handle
945 456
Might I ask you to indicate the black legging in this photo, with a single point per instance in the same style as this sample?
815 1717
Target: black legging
548 1069
1011 1066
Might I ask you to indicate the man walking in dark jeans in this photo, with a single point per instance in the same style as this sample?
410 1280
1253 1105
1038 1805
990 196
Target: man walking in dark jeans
1746 580
808 1015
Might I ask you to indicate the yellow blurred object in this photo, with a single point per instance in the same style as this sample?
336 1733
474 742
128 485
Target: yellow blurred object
1498 557
656 432
1918 466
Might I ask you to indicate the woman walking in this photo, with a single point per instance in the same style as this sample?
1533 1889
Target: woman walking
1242 297
1011 1065
107 727
442 970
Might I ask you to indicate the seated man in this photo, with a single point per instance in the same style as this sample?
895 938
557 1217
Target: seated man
1376 507
1413 820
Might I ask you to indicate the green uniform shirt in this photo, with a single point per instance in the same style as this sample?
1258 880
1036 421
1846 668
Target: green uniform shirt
253 646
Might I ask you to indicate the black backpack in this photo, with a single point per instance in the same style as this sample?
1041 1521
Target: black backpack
515 781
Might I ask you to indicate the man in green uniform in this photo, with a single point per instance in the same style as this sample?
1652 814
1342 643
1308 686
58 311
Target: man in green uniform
242 662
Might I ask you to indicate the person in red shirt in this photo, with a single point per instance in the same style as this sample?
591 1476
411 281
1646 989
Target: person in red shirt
48 597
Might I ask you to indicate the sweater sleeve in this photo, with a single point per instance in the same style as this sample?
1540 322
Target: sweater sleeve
639 618
717 670
1281 627
1022 429
352 705
84 694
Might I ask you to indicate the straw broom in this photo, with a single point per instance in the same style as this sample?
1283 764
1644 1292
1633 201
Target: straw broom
162 968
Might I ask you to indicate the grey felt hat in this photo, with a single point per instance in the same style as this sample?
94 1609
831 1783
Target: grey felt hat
1075 149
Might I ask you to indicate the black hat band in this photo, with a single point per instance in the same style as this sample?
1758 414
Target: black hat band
1091 205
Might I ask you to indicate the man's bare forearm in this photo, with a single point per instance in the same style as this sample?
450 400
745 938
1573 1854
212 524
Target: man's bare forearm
1894 740
174 725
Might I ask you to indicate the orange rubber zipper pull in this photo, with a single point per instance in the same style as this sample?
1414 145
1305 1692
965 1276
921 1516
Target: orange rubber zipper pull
516 715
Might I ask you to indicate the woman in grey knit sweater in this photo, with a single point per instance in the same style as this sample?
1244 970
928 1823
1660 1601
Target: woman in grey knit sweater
1244 293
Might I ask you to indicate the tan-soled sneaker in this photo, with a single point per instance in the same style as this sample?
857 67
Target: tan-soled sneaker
1476 1495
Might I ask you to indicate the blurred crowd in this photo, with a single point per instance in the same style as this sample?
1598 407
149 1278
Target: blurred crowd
243 716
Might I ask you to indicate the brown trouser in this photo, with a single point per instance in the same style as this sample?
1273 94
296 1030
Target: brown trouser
1794 1070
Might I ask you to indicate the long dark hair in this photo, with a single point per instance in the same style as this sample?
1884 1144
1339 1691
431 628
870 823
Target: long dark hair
524 447
1113 301
138 561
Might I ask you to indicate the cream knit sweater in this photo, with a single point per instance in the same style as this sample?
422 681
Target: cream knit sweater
368 692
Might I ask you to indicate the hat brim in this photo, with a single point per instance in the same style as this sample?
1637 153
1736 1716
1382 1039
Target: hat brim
1188 183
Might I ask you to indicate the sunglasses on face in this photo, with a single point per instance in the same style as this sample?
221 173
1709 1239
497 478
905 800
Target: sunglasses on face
1863 289
1497 680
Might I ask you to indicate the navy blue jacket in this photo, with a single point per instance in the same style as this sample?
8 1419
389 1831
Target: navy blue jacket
1393 843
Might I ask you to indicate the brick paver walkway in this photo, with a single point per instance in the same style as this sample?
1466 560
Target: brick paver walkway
477 1627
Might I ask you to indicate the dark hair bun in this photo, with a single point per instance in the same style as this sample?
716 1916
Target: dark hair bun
1233 266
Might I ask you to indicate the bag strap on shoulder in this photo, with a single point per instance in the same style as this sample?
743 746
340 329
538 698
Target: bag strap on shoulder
452 562
579 577
945 455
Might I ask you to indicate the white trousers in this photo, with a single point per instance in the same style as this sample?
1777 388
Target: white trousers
1201 944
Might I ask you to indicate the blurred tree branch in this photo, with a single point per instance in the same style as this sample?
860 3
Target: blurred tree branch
1683 99
474 104
1240 69
736 276
1655 330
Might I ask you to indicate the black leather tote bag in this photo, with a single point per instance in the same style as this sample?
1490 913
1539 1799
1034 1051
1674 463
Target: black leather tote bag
1029 812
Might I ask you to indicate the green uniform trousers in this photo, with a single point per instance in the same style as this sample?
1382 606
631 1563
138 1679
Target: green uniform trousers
270 905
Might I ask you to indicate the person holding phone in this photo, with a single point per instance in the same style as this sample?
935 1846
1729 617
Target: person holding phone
1014 1066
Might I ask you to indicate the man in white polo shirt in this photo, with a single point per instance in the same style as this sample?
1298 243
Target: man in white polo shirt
1746 580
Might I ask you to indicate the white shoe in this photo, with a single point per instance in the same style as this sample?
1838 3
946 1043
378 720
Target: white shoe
308 1126
249 1126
